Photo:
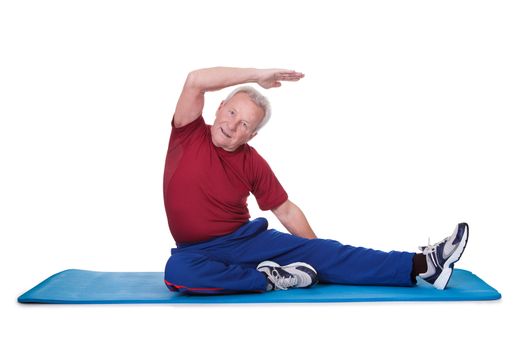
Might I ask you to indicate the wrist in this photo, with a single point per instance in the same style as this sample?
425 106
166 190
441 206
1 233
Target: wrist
255 75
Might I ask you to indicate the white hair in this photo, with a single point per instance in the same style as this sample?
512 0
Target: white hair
257 98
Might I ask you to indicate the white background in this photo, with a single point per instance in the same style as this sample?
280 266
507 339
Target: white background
408 121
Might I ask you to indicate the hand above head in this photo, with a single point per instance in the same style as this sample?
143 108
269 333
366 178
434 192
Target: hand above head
191 101
270 78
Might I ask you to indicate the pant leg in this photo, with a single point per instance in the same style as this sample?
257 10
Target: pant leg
202 268
195 272
346 264
228 264
333 261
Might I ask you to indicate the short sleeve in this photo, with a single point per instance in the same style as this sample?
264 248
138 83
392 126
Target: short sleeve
266 188
180 135
188 128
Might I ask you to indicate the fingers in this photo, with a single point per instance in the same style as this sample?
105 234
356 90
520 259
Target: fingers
271 78
289 76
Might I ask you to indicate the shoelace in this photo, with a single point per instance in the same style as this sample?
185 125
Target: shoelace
431 247
283 282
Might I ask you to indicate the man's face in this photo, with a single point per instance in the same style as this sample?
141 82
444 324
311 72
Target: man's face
235 122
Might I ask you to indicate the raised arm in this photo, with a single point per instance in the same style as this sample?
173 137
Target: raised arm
191 100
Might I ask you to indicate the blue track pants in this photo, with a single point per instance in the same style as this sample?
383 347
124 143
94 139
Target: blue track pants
227 264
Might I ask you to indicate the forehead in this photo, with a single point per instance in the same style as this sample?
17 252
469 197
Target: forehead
242 102
241 99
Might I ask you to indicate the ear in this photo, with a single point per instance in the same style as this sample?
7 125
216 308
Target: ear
252 136
220 106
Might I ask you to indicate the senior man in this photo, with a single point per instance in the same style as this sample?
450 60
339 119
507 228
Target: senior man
209 173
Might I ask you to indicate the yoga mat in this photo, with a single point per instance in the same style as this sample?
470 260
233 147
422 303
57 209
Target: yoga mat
91 287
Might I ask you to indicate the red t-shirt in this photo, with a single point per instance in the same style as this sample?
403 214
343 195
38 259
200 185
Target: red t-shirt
206 188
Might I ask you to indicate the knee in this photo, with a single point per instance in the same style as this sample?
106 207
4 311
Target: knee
324 245
179 266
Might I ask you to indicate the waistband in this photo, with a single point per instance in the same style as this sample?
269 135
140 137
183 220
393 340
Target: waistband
250 228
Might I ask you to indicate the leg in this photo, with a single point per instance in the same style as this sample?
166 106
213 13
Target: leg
338 263
334 262
194 272
345 264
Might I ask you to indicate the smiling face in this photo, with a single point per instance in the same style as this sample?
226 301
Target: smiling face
235 122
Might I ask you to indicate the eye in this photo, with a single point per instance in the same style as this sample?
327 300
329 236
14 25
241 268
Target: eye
245 125
232 112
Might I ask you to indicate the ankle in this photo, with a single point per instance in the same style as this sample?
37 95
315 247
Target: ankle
419 265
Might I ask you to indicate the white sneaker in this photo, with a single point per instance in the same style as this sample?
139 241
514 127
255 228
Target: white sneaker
442 256
296 275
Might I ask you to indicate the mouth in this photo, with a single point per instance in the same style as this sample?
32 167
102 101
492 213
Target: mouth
225 134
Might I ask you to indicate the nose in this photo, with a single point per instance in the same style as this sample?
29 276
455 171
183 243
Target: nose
233 124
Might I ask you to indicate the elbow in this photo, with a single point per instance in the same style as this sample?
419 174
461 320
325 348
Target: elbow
200 79
284 220
192 80
284 212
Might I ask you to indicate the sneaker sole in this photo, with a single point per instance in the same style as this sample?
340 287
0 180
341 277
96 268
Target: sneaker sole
442 281
301 264
268 263
274 264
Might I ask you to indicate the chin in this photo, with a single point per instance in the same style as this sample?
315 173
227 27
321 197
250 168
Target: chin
215 140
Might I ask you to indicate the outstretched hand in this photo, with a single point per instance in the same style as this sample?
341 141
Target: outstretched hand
271 78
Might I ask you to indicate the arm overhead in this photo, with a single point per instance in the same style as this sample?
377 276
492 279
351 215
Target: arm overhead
191 100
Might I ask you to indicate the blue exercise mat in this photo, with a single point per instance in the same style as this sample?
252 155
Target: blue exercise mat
91 287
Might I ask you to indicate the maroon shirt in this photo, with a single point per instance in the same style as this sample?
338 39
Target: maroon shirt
206 188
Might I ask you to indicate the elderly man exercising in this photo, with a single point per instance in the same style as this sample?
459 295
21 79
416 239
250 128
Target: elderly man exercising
209 173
